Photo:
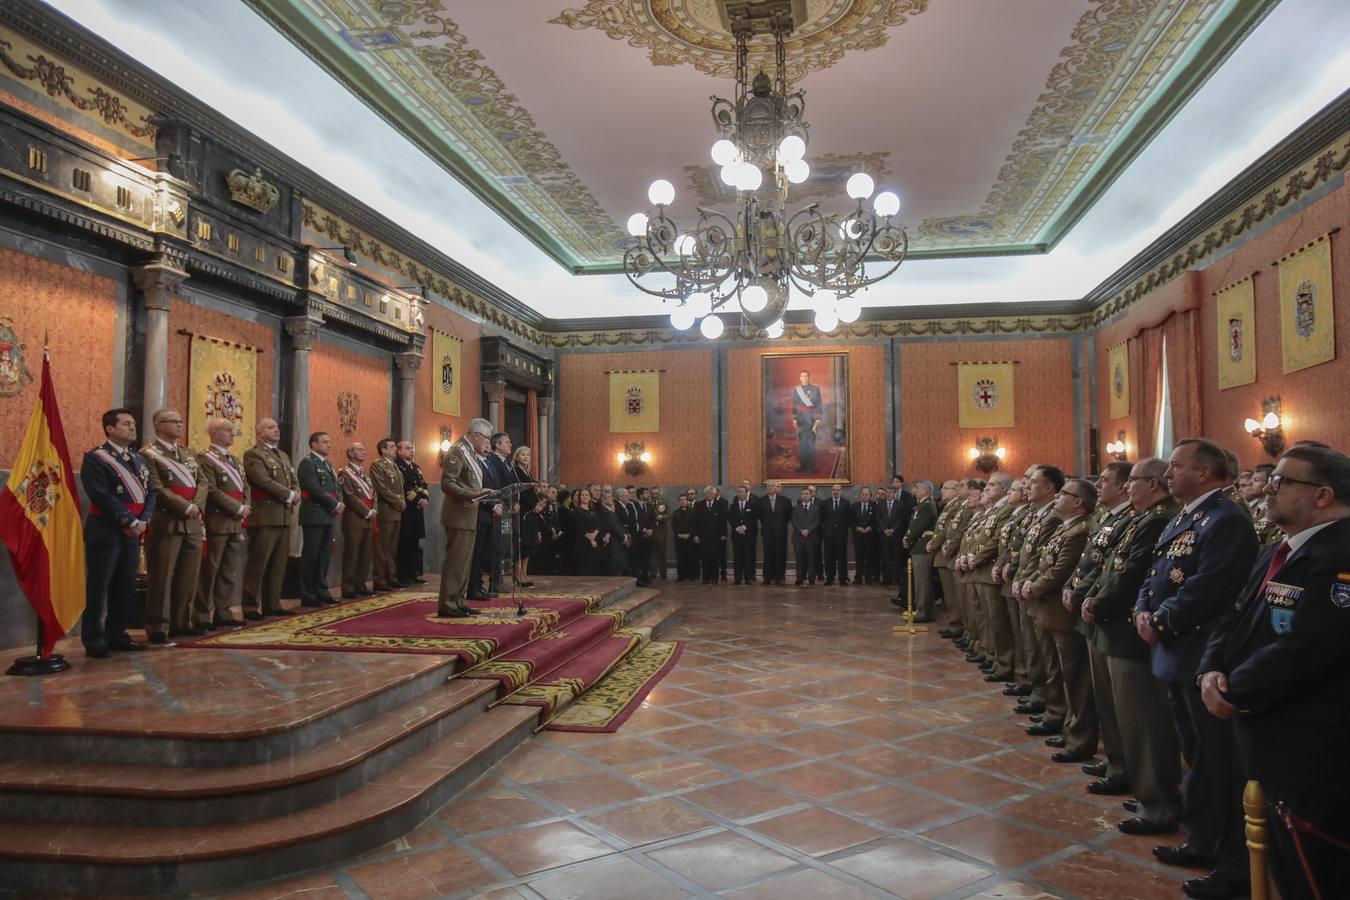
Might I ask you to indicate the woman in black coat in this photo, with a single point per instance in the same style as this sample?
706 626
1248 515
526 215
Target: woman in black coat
586 531
612 534
529 501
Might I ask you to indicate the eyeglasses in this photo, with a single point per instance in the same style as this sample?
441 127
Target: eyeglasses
1275 481
1068 494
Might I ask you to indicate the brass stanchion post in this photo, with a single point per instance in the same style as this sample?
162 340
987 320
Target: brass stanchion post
909 627
1258 838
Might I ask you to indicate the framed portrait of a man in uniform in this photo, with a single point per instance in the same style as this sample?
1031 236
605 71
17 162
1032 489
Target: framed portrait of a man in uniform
805 418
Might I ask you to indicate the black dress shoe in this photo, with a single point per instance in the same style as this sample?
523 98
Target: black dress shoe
1130 805
1144 826
923 620
157 637
366 593
1057 741
127 646
1096 770
530 584
328 601
1109 787
946 633
1069 756
349 595
1183 855
1045 729
197 631
280 611
1212 887
253 616
992 678
452 613
97 651
988 669
1029 707
229 623
308 604
1016 691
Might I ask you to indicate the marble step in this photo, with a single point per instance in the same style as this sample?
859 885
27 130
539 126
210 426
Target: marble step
52 857
273 724
655 616
46 790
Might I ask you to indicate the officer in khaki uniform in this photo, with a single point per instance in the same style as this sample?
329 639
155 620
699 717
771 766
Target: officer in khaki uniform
952 507
1068 679
915 541
1043 482
462 484
977 561
274 492
970 603
387 480
1010 537
173 542
358 525
226 511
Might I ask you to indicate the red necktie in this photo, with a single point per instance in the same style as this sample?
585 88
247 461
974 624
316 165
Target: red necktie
1276 561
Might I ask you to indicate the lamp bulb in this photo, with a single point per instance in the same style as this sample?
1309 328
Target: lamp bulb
700 304
775 330
645 457
1000 453
682 318
723 152
860 186
791 148
729 173
973 453
712 327
849 309
887 203
445 446
661 193
750 178
637 224
796 170
754 298
1250 425
685 245
1270 421
621 458
826 320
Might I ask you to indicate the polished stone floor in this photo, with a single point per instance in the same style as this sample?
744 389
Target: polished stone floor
799 750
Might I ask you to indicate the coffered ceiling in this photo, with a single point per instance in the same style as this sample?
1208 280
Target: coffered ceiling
1000 123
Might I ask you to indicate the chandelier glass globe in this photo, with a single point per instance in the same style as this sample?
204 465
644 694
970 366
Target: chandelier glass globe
637 224
682 318
661 193
827 320
700 304
775 330
887 203
848 309
754 298
723 152
711 327
750 177
859 186
796 170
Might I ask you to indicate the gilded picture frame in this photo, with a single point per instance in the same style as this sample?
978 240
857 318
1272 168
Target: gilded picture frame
802 391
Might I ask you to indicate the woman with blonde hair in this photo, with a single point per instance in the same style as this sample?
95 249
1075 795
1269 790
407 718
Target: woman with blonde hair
529 513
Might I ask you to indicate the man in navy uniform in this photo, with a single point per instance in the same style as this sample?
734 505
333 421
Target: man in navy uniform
806 414
1199 564
320 505
117 483
1278 668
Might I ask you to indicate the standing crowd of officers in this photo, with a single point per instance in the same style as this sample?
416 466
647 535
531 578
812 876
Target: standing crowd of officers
215 526
1190 621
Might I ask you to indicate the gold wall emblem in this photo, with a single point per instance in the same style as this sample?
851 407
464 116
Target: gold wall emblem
251 190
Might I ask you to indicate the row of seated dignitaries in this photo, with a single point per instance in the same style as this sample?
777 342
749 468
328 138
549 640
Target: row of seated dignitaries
1167 614
212 523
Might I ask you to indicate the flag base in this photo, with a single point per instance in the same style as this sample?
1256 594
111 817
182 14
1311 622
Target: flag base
38 665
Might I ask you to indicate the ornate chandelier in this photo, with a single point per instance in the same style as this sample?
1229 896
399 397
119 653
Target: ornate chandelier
757 258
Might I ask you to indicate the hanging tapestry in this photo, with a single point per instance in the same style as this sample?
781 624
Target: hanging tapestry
1307 320
634 402
445 372
985 395
222 384
1236 305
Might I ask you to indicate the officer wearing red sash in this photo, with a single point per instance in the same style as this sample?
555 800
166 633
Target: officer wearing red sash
117 483
173 544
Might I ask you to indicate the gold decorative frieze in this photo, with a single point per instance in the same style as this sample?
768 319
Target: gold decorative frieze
70 87
251 190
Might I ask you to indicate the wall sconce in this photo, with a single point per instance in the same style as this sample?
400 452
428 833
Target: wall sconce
1270 430
445 439
1118 448
634 458
347 253
985 455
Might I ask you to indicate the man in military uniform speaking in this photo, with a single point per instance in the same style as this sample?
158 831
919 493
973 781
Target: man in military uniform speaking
1278 667
117 483
806 413
462 484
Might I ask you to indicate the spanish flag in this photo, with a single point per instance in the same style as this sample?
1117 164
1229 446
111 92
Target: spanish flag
40 520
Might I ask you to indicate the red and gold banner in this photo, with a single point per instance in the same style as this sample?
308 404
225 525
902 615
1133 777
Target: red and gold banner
40 520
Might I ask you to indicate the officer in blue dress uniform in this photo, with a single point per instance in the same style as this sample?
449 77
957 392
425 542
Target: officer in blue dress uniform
117 482
1278 667
1200 562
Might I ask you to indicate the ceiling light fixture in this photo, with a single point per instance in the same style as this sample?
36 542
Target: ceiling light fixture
757 258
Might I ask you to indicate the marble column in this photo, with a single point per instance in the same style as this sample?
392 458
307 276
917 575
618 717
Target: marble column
547 467
302 330
159 282
496 395
408 363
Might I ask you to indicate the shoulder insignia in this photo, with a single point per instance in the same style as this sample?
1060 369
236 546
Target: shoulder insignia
1340 593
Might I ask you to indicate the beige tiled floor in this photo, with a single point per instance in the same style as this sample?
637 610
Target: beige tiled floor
799 750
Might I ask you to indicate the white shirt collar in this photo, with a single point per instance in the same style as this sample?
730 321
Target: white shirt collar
221 450
166 444
1001 500
1298 540
1070 521
1191 507
269 446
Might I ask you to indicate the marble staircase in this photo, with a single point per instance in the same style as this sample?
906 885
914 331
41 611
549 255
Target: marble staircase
163 802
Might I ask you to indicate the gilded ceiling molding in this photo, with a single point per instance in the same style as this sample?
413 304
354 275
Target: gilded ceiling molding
690 32
1122 51
1315 172
322 222
51 76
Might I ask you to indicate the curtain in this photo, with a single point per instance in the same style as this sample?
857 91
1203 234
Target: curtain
1183 372
1146 386
532 431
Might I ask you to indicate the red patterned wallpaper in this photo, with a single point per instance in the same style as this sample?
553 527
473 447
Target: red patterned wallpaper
333 370
682 450
187 317
867 384
471 396
77 312
935 446
1308 396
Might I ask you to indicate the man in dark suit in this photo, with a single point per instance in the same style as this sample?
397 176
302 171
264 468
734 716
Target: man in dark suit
483 573
862 522
626 510
499 459
710 533
743 517
807 413
413 529
835 514
1278 668
644 539
686 551
775 512
1199 565
320 505
117 483
805 522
